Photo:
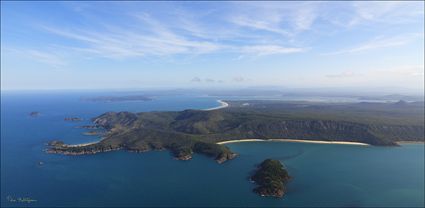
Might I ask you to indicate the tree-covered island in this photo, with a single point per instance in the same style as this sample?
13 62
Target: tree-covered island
271 178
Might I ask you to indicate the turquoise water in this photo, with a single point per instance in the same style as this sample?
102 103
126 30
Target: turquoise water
323 174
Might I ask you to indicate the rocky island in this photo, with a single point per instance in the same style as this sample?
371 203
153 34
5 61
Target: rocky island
198 131
271 178
34 114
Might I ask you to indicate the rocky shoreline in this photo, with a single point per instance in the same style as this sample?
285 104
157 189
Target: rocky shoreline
90 152
88 127
225 158
59 147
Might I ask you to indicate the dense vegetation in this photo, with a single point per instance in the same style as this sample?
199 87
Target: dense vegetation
197 131
271 178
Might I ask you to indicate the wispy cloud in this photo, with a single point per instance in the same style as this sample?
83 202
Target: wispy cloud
48 58
285 19
250 28
262 50
209 80
121 42
403 71
196 79
358 14
378 43
242 28
259 25
345 74
391 12
238 79
52 58
152 37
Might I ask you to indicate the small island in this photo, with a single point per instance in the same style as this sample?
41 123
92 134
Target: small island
271 178
72 119
34 114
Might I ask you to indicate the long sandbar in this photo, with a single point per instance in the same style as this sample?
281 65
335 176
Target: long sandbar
241 140
222 105
293 140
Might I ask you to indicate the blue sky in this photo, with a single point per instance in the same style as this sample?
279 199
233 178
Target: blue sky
97 45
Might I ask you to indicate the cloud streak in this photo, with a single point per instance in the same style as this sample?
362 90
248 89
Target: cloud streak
379 43
263 50
393 12
120 42
146 35
346 74
52 58
245 29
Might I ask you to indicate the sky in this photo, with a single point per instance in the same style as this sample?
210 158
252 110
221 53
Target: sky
117 45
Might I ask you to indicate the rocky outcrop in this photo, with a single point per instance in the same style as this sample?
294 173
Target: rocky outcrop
225 157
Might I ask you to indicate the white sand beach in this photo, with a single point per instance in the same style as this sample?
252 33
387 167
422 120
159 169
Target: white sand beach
222 105
81 145
293 140
241 140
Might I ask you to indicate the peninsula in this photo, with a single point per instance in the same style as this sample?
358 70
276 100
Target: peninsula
200 131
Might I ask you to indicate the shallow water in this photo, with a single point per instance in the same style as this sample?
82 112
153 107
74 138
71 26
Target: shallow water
323 174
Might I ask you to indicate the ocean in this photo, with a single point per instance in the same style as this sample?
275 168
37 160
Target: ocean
322 174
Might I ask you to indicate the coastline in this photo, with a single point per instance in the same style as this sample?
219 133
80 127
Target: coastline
241 140
82 144
294 140
222 105
410 142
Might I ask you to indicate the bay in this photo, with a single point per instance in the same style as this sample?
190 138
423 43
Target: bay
322 174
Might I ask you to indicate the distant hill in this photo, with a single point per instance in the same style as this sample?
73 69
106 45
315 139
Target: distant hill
393 97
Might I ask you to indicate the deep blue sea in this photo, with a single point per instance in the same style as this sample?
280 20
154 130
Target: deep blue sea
322 174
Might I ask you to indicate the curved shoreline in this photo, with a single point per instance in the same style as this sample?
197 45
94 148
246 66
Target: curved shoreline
222 105
410 142
293 140
82 144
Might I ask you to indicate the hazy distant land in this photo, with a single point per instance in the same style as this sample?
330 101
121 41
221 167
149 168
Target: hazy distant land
117 98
